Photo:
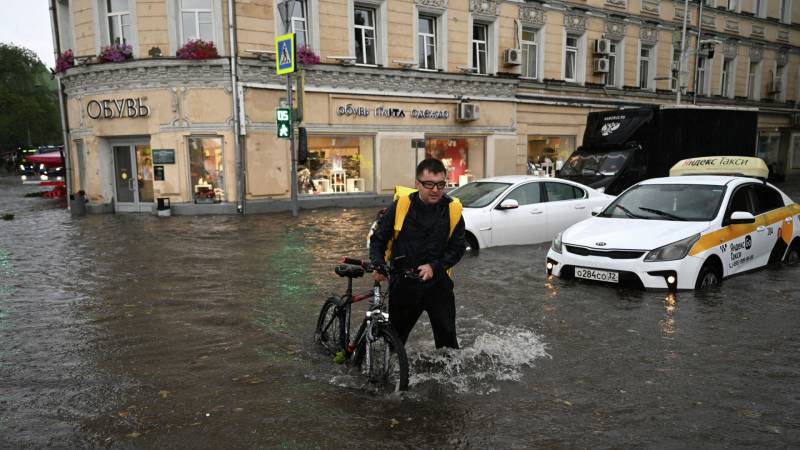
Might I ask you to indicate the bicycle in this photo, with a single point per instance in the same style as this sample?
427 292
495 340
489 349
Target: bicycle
376 351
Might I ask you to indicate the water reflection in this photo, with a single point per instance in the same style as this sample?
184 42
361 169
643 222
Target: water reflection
668 322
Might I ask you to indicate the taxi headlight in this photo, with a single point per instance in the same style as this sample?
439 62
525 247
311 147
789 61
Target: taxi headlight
556 245
672 252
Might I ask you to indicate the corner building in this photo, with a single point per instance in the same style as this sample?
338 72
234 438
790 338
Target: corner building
485 86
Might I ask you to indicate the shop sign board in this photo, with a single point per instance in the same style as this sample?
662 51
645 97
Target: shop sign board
117 108
163 156
283 117
350 110
284 54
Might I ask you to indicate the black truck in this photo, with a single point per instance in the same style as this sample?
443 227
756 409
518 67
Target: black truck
625 146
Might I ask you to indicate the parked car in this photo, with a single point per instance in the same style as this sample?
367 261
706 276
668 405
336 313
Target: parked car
521 209
684 232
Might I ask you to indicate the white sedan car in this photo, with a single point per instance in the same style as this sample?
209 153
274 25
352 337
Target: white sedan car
520 209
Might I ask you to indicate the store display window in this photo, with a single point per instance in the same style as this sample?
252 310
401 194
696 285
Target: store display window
462 157
205 164
547 154
337 165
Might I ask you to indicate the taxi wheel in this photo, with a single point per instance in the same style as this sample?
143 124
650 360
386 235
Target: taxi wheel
793 255
709 277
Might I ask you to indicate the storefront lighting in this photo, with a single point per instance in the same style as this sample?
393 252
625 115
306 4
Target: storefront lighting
59 179
41 166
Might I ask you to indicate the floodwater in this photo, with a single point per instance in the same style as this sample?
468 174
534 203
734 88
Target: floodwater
133 331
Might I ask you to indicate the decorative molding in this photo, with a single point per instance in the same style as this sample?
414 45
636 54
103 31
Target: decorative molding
730 48
648 34
485 7
617 3
575 23
732 24
679 12
757 30
709 20
438 4
533 15
783 35
614 29
178 98
782 56
651 7
756 54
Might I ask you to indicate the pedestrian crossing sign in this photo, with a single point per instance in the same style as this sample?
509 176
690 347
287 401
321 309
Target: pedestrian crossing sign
284 123
285 54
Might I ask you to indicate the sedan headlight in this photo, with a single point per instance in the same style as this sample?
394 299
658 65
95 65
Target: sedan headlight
672 252
556 245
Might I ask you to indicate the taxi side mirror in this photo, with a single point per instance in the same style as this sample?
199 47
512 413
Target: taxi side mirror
508 203
597 210
740 217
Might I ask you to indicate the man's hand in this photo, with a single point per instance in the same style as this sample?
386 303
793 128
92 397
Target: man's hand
378 277
425 272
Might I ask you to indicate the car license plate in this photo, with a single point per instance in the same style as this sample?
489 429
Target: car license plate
597 275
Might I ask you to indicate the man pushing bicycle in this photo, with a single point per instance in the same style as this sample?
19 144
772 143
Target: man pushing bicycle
426 228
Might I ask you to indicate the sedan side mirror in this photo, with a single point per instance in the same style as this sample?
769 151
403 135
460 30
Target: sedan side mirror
739 217
508 203
597 210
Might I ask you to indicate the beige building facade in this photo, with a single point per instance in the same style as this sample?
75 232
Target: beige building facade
488 87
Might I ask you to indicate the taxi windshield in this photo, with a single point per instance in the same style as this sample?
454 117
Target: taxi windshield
677 202
479 193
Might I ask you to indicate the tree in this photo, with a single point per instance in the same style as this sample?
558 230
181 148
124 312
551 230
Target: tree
29 113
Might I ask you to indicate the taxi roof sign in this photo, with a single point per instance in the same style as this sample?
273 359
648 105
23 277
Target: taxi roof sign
747 166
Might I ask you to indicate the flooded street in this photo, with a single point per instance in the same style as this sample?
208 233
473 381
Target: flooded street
123 331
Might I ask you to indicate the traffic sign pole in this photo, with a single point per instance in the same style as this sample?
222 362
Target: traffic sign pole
292 152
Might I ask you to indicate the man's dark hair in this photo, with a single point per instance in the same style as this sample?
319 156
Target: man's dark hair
432 165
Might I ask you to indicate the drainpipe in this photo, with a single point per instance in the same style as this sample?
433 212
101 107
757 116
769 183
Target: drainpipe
237 126
62 105
697 53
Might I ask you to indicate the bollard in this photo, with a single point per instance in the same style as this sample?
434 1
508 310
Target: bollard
163 207
78 205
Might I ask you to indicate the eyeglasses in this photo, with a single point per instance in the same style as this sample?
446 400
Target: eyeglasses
431 184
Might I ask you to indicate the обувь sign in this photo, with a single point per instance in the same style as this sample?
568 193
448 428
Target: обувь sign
117 108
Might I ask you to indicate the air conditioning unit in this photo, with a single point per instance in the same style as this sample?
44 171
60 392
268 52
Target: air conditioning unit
468 111
602 47
512 57
601 65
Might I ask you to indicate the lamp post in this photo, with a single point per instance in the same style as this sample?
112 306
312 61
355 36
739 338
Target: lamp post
286 10
683 53
697 51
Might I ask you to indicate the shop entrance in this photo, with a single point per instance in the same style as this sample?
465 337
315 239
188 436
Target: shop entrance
133 177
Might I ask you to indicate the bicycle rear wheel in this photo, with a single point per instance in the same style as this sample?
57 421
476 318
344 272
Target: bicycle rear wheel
388 363
329 333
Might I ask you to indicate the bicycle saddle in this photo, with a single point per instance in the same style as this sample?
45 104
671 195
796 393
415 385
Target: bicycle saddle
349 270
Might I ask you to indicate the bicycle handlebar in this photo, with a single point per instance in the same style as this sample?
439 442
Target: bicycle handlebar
383 269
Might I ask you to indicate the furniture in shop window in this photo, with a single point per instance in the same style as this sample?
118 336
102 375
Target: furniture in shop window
338 180
322 185
355 185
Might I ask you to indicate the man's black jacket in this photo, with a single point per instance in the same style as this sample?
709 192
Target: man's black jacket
423 238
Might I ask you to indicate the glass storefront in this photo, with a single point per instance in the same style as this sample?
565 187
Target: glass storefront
337 165
144 173
463 157
205 165
554 148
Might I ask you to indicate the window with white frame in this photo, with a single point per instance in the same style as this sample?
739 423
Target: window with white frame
733 5
120 27
726 78
753 84
571 57
779 84
529 44
645 67
614 76
785 10
480 47
426 42
702 74
675 69
759 9
197 20
300 24
365 35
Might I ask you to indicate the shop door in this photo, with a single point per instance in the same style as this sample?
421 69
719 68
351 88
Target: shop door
133 180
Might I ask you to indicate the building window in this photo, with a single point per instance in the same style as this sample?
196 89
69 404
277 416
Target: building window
427 42
542 149
366 39
752 81
779 88
725 89
758 8
337 164
530 53
571 58
701 76
675 72
463 158
300 24
480 47
119 21
614 65
205 165
197 20
645 67
733 5
785 10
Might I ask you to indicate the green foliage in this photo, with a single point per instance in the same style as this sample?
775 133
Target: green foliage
28 100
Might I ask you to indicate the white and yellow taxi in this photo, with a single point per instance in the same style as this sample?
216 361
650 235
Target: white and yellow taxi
684 232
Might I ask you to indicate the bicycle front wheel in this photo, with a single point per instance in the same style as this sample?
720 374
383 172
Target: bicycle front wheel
329 333
386 363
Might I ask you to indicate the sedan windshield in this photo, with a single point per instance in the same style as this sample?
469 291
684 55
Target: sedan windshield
479 193
592 164
679 202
